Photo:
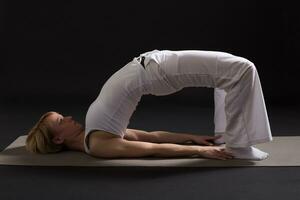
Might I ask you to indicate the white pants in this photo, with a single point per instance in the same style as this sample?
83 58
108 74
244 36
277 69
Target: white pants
240 111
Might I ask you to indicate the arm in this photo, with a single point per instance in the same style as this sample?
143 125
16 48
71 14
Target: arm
171 137
158 136
118 148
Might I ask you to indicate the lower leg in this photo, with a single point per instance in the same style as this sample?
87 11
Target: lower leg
247 121
219 114
220 127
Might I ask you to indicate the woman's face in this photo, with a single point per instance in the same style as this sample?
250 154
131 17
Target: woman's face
63 127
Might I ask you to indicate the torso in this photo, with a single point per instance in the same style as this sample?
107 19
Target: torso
117 100
111 111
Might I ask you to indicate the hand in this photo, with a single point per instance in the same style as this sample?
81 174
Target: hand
215 152
206 140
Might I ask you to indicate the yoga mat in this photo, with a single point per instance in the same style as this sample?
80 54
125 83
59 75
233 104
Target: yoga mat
284 151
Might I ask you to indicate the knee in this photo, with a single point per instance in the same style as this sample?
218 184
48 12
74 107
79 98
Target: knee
247 64
249 71
250 65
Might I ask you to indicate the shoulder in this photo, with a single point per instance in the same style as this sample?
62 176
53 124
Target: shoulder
102 135
102 143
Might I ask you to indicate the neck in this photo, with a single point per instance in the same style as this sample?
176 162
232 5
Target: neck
76 142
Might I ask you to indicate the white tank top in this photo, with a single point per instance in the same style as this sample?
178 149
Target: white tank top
118 98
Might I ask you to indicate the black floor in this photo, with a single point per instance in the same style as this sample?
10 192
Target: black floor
19 182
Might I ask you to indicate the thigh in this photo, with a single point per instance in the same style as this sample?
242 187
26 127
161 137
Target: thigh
197 62
211 68
191 68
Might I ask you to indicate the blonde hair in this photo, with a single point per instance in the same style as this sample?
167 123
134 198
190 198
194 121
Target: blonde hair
39 139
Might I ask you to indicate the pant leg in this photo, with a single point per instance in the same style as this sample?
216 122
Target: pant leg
219 111
245 111
247 121
246 114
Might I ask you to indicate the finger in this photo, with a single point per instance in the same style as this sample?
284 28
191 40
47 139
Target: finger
224 154
208 143
211 137
223 149
219 155
228 155
217 136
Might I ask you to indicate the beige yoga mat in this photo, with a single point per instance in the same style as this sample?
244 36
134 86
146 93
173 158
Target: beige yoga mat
284 151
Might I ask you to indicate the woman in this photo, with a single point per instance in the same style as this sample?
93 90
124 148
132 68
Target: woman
241 119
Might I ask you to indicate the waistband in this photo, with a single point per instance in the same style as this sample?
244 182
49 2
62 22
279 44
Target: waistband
141 60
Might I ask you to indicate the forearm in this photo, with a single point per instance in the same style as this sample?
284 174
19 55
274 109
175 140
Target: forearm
171 137
176 150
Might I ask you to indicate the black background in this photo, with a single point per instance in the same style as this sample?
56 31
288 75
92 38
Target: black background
56 55
64 52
